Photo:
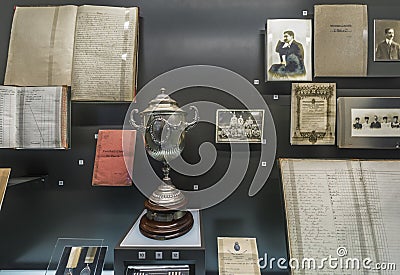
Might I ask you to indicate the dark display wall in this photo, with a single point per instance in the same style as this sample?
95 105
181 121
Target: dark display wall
224 33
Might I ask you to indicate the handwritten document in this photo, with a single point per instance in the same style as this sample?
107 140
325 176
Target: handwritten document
337 206
238 256
105 53
33 117
91 48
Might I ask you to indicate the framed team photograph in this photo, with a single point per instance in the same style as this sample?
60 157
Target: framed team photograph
288 50
369 122
387 40
239 126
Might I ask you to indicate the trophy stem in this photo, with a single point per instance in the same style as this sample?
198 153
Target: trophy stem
166 168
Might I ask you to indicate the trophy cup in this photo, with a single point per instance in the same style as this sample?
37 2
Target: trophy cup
164 127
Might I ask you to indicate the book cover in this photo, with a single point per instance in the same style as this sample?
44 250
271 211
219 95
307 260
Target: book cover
341 40
112 158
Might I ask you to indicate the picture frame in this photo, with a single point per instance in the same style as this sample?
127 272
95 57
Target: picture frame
369 122
288 48
386 40
239 126
313 114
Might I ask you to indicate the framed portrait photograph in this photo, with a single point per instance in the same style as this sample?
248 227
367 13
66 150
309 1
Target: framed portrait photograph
387 40
288 50
239 126
369 122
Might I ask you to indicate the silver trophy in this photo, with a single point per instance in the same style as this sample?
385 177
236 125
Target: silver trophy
164 127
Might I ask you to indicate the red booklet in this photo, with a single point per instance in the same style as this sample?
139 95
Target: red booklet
112 158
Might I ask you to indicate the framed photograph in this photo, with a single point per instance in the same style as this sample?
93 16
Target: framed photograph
239 126
387 40
288 50
369 122
313 114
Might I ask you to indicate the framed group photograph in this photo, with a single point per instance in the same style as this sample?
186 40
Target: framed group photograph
239 126
369 122
387 40
288 50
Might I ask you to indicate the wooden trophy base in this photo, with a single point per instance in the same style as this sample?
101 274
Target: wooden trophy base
163 223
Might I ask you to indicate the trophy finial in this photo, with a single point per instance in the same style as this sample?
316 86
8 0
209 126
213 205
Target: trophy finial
162 90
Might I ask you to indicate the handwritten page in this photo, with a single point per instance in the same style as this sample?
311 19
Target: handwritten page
336 206
104 66
41 46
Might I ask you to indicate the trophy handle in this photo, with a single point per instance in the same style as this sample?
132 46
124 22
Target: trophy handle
190 125
132 121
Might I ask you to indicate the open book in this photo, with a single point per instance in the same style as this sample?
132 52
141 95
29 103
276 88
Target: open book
34 117
91 48
346 210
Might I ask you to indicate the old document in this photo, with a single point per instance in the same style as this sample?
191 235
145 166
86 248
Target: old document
313 114
345 210
104 66
41 46
238 256
340 40
4 175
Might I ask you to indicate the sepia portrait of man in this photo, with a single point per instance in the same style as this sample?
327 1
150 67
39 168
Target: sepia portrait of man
387 37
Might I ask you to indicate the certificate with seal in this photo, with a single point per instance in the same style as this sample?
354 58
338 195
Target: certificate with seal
238 256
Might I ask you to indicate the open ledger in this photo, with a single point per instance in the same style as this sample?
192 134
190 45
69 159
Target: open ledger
91 48
34 117
343 209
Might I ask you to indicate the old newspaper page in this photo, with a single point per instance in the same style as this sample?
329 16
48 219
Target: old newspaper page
345 210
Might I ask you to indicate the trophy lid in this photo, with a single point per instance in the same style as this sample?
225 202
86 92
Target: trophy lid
163 103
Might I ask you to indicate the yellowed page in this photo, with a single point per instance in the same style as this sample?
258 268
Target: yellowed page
4 174
104 66
41 46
